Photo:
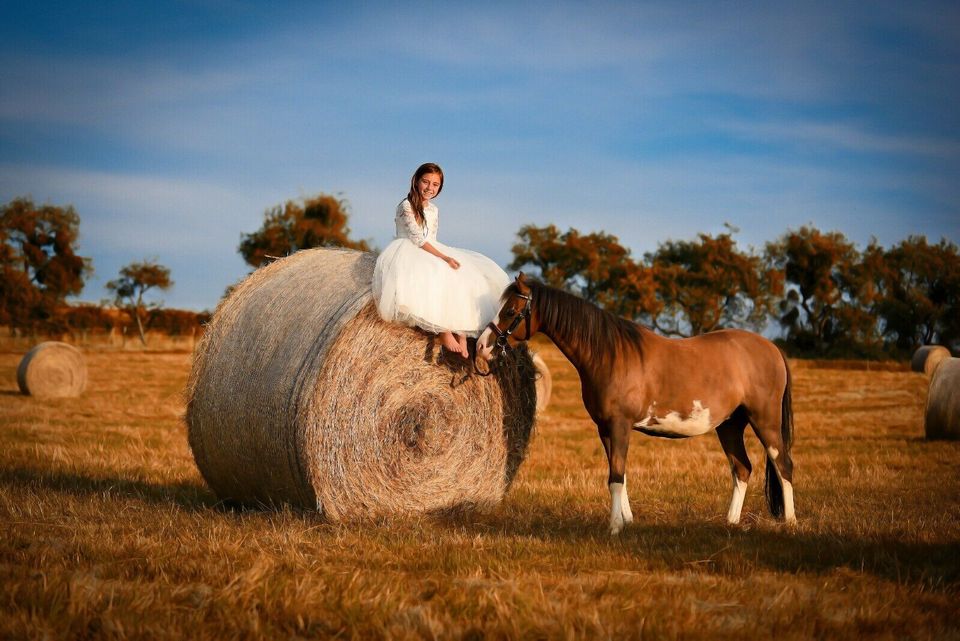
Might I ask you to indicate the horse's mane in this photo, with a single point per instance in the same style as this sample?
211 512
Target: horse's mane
602 333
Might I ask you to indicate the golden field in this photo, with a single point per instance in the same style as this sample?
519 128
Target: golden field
108 531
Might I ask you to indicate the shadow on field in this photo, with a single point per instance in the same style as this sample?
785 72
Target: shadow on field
727 550
185 495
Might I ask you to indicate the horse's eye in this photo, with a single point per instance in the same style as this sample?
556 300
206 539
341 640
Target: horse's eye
510 313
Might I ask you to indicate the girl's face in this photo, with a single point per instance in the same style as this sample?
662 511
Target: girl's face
428 186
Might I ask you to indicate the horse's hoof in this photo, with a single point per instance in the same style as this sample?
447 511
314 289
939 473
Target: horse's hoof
615 528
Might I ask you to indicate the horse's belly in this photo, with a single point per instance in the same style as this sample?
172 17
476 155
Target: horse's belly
696 420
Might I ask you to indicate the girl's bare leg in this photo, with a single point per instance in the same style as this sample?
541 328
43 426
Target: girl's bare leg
462 341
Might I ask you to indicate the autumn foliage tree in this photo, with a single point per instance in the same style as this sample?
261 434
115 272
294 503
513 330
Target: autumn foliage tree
595 266
708 283
39 266
823 287
916 291
136 279
320 221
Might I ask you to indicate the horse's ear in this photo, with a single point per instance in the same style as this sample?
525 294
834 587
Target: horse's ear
522 284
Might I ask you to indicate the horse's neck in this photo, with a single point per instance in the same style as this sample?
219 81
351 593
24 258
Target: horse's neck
578 352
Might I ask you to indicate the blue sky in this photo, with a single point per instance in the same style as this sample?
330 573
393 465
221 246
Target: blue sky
172 126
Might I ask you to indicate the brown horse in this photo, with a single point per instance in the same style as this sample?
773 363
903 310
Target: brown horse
634 379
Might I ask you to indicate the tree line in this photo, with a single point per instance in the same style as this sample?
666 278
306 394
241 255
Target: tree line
823 295
816 290
40 268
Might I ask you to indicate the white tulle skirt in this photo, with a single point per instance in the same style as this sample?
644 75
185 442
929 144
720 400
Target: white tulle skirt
414 287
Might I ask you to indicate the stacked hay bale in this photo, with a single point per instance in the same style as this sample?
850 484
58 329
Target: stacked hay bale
927 358
52 370
301 395
942 415
544 382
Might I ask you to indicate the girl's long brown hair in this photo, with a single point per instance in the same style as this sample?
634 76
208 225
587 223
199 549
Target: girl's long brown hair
414 195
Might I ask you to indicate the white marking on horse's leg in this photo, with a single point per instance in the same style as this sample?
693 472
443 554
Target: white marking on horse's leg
788 514
773 453
625 504
616 508
736 501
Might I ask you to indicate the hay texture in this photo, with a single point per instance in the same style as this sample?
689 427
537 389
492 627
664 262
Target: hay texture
300 394
52 370
942 415
544 382
926 358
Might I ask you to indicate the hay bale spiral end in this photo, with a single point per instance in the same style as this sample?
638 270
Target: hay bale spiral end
52 370
300 394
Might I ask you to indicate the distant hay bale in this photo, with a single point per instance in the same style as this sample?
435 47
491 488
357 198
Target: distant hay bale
52 370
544 382
926 358
300 394
942 416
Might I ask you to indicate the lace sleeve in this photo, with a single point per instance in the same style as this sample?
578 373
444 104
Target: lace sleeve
415 232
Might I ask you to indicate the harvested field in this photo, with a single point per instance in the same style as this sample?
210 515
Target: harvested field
107 530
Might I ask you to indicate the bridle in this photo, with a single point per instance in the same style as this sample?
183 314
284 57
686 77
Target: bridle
502 337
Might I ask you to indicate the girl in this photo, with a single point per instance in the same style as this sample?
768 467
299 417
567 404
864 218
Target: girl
421 282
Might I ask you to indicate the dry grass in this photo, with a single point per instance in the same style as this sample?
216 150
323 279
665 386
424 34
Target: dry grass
106 531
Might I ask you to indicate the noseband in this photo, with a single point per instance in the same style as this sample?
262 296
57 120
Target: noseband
502 337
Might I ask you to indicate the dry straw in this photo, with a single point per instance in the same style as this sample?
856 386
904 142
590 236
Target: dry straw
52 370
927 358
942 416
544 382
301 395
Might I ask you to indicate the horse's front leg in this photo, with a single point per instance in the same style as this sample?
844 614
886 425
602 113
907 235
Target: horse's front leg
615 445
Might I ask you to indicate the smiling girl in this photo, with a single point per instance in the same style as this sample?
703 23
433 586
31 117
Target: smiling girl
421 282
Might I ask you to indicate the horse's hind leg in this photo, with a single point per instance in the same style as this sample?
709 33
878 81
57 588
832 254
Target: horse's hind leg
730 433
779 481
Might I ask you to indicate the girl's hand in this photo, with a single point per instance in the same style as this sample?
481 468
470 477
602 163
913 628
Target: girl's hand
452 262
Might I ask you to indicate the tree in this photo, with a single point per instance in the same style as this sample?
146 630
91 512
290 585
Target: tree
709 283
136 279
917 291
39 266
825 283
320 221
593 265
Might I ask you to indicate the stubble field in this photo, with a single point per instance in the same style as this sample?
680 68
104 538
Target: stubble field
107 530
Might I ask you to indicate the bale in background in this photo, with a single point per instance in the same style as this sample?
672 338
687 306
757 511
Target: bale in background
52 370
942 416
300 394
544 382
926 358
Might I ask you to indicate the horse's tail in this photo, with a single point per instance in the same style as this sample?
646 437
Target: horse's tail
773 486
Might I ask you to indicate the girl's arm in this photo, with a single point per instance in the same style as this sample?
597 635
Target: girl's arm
427 247
418 235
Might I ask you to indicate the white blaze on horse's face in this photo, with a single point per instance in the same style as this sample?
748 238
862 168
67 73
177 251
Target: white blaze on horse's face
485 343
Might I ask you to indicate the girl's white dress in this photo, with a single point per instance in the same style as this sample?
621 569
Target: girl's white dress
414 287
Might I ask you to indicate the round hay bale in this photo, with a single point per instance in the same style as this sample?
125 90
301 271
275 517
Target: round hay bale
52 370
926 358
544 382
942 416
300 394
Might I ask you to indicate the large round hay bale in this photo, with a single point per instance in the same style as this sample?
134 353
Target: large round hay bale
544 382
301 395
926 358
52 370
942 416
